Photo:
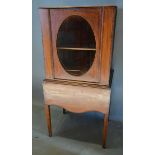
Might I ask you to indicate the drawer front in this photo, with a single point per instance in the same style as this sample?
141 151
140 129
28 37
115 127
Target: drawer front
77 98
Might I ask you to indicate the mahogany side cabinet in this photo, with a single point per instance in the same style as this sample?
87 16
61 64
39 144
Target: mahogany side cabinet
77 43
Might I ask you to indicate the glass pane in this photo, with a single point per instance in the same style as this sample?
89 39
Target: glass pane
76 45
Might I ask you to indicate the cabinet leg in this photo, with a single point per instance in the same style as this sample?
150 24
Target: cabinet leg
105 129
48 119
64 111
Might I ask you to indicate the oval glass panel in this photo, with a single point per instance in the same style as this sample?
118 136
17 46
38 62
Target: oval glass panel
76 45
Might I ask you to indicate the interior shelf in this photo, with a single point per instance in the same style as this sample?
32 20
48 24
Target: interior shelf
78 49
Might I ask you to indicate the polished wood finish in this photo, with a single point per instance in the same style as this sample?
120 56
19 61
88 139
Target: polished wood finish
105 129
48 118
47 44
76 83
108 21
51 19
92 16
90 91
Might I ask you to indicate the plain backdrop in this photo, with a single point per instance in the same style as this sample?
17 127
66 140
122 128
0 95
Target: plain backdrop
116 108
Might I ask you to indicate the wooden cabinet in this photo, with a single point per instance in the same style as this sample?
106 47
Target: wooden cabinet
78 45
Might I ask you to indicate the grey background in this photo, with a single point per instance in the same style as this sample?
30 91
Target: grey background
116 108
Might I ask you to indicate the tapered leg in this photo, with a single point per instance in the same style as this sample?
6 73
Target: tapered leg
48 119
105 129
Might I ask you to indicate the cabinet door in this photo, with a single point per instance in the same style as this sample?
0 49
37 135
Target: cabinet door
75 43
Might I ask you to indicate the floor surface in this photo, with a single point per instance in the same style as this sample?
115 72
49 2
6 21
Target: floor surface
74 134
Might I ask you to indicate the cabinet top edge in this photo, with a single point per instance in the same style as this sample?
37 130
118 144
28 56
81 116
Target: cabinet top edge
67 7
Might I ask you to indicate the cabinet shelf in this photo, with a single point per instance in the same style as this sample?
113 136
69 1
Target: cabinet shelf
77 49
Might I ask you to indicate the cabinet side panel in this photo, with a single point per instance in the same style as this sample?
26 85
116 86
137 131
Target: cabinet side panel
108 23
47 43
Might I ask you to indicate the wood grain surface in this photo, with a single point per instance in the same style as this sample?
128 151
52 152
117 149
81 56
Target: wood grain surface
92 16
77 98
46 41
90 91
107 33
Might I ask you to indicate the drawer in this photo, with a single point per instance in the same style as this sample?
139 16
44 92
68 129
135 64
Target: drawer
77 98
